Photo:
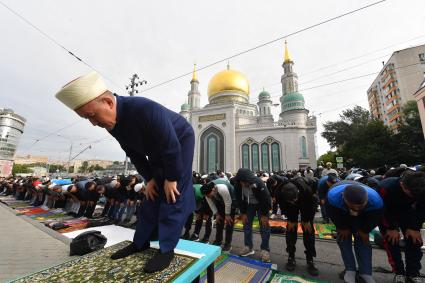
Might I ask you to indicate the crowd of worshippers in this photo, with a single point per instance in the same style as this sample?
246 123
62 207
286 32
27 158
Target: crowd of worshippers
121 196
356 201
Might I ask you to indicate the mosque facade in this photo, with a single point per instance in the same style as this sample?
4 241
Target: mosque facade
232 133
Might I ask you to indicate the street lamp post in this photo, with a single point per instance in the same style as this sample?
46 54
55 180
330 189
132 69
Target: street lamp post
132 89
70 152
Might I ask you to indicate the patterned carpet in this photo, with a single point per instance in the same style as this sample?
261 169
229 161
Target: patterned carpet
282 277
230 269
97 267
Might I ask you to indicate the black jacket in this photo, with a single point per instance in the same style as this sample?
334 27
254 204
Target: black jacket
258 188
400 211
306 203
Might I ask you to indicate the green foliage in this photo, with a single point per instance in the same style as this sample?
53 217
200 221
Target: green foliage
84 167
20 168
410 136
53 168
366 142
329 156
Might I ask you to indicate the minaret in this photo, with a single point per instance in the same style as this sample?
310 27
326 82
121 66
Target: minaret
289 78
291 100
194 97
265 107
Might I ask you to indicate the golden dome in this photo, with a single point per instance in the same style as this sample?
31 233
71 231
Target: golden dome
228 81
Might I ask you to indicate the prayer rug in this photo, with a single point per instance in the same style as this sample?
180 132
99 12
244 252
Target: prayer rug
30 210
283 277
236 269
74 225
99 267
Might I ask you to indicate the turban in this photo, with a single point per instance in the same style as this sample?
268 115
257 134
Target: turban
81 90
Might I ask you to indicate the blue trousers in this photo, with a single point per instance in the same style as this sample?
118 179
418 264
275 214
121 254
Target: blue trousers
253 210
166 220
363 254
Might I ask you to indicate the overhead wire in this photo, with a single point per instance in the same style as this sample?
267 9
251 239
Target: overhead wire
264 44
50 38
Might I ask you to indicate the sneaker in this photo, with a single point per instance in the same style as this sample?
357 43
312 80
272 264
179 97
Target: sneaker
349 276
399 278
311 268
227 248
283 217
414 279
265 256
272 216
246 251
215 243
291 264
204 241
194 238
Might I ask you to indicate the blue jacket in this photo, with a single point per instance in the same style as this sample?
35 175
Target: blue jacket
368 218
150 135
322 187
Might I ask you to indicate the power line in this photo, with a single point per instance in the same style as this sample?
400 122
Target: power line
265 44
52 133
56 42
345 61
345 80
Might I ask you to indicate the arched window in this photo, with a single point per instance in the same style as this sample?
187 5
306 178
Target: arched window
212 150
303 147
212 153
275 157
255 153
265 157
245 156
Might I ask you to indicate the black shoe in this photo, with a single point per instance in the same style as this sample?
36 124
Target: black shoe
215 243
159 262
311 268
125 252
185 236
204 241
291 264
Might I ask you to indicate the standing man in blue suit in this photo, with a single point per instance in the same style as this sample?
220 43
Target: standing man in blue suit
160 143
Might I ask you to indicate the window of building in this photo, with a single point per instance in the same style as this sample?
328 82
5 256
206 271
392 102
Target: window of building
265 157
303 147
212 153
255 153
245 156
275 157
422 58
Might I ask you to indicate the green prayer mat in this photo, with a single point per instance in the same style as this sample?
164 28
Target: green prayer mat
97 267
283 277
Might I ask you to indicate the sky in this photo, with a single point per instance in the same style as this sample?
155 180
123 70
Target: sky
160 40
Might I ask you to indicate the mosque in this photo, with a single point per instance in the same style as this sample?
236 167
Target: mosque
232 133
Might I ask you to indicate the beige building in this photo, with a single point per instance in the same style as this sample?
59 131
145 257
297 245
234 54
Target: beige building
31 159
396 84
420 100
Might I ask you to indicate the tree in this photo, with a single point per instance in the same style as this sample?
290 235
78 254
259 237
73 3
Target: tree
54 167
20 168
83 167
361 140
410 136
329 156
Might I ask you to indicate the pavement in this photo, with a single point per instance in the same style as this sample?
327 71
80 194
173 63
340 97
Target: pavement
27 246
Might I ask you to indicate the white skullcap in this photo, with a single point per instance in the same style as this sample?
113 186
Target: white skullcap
81 90
138 187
